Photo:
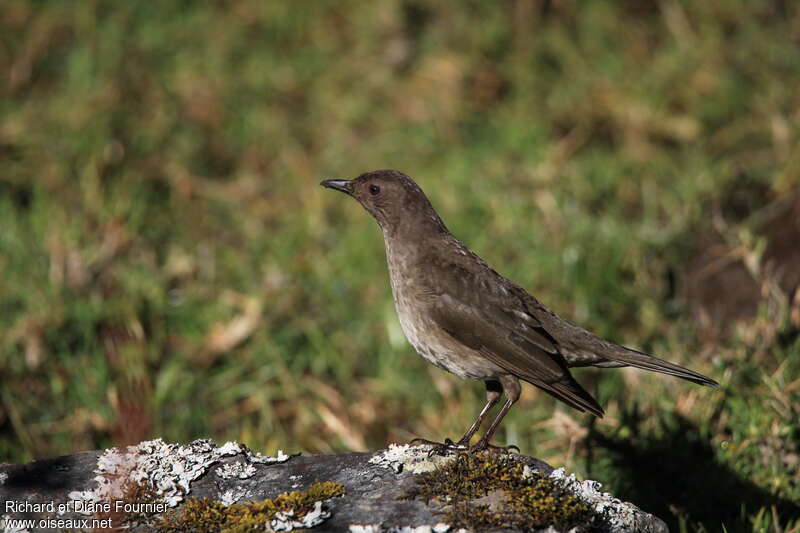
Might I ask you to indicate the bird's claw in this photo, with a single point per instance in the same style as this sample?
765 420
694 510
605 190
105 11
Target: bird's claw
481 446
448 446
440 448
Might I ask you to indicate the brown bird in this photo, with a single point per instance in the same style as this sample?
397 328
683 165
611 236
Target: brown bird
462 316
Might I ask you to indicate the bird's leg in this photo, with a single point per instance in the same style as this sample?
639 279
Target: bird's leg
512 389
493 392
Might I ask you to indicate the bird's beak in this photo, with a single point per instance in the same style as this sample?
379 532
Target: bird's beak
339 185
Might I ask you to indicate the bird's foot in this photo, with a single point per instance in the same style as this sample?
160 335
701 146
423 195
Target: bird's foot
440 447
421 442
482 445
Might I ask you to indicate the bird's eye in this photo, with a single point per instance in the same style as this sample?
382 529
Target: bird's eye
374 190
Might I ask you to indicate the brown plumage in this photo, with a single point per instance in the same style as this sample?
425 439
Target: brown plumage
462 316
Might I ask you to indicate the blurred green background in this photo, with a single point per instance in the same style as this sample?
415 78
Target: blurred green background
170 267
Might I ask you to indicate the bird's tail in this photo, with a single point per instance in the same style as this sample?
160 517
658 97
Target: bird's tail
630 357
570 392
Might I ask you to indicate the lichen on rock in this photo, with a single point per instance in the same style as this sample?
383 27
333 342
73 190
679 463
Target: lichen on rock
414 459
609 513
237 469
156 471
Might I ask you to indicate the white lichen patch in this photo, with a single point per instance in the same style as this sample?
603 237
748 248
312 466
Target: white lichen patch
231 496
616 515
375 528
287 521
235 448
237 469
415 459
168 469
3 477
527 472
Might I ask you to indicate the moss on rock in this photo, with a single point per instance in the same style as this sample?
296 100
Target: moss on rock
490 491
202 514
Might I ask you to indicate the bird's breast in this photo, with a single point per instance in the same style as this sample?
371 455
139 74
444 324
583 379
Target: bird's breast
436 346
416 323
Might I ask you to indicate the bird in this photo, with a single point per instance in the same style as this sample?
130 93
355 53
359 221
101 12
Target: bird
464 317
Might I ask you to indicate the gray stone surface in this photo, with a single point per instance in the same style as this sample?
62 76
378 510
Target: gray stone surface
231 473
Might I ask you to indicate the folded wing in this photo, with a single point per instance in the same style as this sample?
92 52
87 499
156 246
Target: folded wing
494 323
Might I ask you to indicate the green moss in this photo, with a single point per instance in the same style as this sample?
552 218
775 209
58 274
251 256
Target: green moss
202 514
491 491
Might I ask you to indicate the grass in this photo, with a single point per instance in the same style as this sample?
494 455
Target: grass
169 266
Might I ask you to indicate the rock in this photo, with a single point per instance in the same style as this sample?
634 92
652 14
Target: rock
158 485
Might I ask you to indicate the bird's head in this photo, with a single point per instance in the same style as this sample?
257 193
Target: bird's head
391 197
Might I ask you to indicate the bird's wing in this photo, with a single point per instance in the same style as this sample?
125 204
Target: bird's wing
486 314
